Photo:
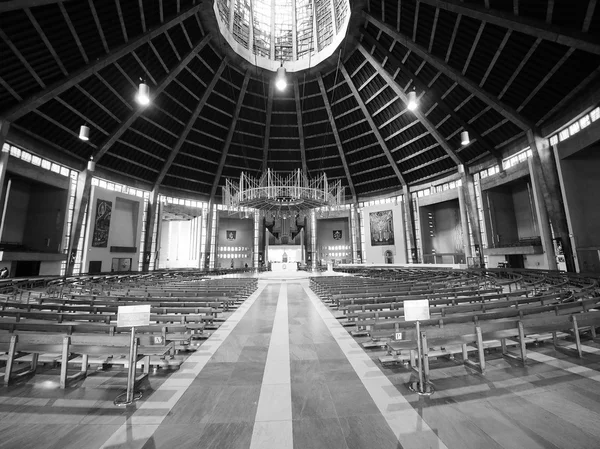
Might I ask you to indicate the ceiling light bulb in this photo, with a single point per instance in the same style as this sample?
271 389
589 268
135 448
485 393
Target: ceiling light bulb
84 132
280 81
143 96
464 138
412 100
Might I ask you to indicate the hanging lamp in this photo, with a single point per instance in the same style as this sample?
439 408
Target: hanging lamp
280 81
84 132
464 138
412 100
143 95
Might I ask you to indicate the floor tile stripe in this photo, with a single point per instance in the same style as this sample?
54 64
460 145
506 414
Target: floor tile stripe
404 421
131 434
273 424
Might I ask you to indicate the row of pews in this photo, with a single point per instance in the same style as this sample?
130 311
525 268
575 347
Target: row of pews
471 311
72 322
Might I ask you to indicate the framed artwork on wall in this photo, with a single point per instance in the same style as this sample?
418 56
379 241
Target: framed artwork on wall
382 228
231 235
102 223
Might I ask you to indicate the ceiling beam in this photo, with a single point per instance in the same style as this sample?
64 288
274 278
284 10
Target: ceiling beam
336 136
374 128
190 124
268 125
13 5
454 75
422 118
49 46
61 86
153 95
236 115
570 38
300 127
432 95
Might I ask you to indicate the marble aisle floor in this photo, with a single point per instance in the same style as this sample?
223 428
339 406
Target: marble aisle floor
282 373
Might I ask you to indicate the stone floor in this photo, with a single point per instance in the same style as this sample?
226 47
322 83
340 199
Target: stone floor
281 372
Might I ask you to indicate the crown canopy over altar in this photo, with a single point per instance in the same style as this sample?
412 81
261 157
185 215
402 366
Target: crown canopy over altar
282 196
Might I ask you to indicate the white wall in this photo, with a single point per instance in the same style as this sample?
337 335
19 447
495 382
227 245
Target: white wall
375 254
125 226
180 243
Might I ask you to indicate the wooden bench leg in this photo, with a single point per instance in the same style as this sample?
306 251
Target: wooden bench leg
522 342
480 349
84 364
34 362
64 362
12 349
577 338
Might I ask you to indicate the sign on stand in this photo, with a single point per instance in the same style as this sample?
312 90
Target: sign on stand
132 316
418 310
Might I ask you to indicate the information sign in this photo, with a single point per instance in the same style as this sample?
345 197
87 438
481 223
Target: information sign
132 316
416 310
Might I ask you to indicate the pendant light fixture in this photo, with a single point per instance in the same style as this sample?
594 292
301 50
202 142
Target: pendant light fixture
464 138
84 132
143 95
91 165
280 81
412 100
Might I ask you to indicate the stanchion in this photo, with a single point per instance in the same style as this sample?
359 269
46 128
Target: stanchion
130 395
422 387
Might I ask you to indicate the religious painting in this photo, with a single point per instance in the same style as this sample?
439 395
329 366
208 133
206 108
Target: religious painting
102 223
231 235
382 228
337 235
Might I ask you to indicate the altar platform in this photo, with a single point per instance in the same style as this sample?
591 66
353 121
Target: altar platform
284 266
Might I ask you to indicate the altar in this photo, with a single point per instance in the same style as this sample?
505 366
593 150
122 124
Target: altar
284 266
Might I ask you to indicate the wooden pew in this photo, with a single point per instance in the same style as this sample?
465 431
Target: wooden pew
71 346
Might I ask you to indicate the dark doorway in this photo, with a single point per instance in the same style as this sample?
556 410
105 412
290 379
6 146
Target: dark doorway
27 268
95 266
516 261
389 257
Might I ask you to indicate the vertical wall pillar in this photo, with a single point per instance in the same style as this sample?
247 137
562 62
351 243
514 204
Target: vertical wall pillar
468 189
544 167
149 231
354 232
464 221
256 241
313 238
409 217
4 125
84 189
542 218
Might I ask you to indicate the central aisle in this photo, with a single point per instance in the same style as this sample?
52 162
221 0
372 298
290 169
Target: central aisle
279 373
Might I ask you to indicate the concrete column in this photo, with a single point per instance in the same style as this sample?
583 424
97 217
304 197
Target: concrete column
409 223
542 218
544 167
84 189
4 125
468 189
149 228
464 222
